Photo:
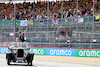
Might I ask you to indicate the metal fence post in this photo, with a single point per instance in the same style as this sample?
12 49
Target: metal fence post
14 21
93 24
62 13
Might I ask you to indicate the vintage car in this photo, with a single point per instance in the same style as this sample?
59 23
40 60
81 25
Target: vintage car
19 52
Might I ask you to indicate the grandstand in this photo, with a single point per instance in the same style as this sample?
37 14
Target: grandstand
52 23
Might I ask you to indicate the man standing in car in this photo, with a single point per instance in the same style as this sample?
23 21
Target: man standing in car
21 37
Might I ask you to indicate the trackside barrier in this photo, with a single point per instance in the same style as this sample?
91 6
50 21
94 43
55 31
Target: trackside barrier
87 53
3 50
53 52
67 52
61 52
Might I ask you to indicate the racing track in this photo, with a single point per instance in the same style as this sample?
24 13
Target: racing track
3 63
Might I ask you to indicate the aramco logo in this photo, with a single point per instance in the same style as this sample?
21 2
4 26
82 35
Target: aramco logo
37 51
60 52
3 50
91 53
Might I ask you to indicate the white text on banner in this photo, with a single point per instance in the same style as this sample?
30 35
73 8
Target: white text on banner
23 23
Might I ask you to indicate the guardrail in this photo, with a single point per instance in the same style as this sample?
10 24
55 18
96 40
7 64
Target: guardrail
72 42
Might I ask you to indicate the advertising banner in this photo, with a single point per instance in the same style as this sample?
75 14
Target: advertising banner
61 52
87 53
38 51
3 50
30 22
23 23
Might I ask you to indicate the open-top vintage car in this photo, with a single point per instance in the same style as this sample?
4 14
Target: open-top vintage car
19 52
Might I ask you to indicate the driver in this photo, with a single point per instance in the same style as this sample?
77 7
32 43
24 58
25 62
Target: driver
21 38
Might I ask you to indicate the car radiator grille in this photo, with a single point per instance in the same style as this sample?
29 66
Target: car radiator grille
20 53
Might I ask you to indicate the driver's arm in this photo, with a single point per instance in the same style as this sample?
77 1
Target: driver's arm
26 29
18 40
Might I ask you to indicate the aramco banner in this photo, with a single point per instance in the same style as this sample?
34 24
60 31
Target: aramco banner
61 52
53 52
87 53
3 50
38 51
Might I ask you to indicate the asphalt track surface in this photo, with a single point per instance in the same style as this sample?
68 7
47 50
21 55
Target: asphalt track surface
3 63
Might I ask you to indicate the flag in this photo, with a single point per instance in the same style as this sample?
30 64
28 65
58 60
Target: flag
23 23
75 19
45 21
41 22
80 20
30 22
97 18
42 2
55 22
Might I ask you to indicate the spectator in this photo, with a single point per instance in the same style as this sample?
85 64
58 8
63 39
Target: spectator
97 16
39 11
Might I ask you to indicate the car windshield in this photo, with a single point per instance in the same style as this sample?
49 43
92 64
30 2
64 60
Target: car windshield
20 44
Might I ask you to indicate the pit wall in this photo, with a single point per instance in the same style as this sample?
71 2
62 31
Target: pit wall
65 55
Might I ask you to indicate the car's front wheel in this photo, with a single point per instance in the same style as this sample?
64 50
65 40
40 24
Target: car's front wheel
8 61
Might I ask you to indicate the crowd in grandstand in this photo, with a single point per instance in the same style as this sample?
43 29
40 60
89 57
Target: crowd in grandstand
36 11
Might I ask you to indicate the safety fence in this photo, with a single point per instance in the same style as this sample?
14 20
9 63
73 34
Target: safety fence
70 42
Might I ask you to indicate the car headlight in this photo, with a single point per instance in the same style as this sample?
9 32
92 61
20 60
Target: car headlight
14 50
26 51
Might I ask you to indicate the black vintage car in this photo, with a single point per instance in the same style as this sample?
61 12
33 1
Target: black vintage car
19 52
